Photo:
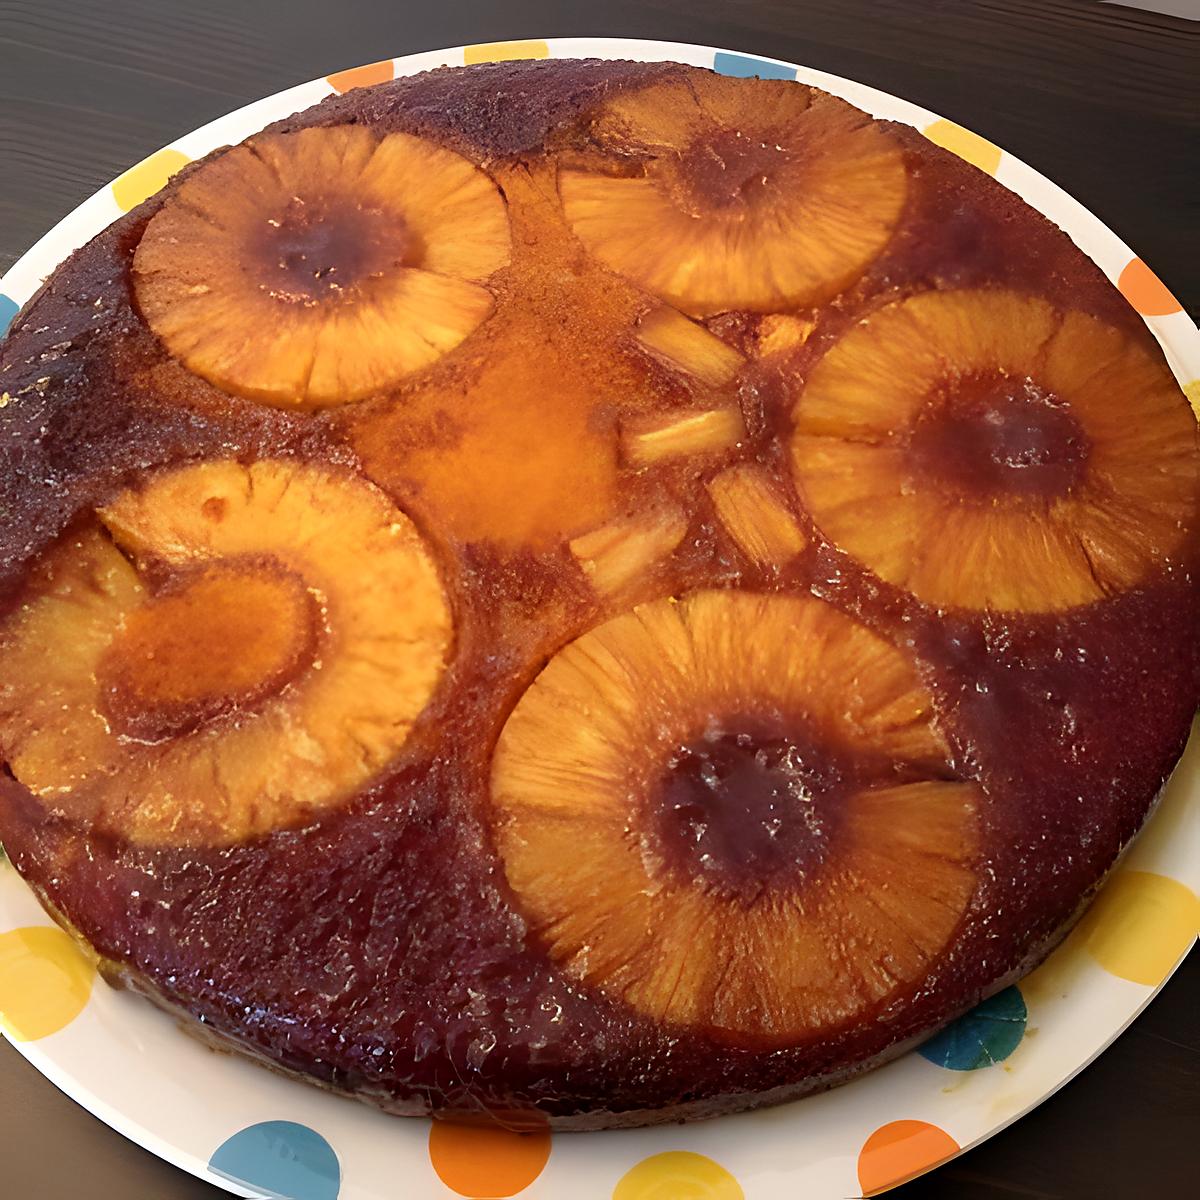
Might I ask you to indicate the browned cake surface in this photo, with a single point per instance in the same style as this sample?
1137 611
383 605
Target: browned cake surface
585 588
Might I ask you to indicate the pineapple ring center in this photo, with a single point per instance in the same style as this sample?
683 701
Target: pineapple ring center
215 639
317 251
990 435
747 805
727 170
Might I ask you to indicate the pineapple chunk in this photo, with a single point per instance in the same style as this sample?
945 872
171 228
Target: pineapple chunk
688 347
756 516
780 333
618 554
676 435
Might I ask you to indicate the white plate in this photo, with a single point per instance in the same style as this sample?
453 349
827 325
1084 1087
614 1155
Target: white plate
255 1133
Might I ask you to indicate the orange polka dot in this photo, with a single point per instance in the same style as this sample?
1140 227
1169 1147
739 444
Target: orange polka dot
900 1151
1145 291
356 77
486 1162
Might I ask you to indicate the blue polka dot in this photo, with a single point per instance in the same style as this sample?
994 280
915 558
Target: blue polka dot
8 309
282 1160
744 67
986 1035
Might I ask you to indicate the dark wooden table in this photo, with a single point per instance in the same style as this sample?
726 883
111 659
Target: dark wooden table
1101 98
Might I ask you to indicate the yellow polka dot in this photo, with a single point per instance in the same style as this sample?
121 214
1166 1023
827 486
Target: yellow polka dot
1192 391
500 51
1140 926
45 981
979 152
147 178
678 1175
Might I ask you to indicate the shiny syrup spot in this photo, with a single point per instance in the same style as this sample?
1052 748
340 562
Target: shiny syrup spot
741 807
313 252
989 435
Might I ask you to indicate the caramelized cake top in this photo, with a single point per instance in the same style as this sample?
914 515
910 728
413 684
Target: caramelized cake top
590 589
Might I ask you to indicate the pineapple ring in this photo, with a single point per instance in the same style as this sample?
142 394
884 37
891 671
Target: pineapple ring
239 649
748 194
851 894
310 269
982 450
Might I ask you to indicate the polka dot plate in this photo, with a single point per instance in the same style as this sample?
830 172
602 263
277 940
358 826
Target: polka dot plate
257 1134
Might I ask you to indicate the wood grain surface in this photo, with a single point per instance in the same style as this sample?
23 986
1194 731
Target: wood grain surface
1101 98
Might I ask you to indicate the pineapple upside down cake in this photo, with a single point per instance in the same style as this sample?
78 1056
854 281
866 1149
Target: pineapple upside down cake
591 592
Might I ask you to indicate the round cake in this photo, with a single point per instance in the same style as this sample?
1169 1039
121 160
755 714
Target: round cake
584 592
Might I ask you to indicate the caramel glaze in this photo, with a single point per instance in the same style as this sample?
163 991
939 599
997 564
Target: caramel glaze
992 437
378 950
307 255
168 672
750 804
